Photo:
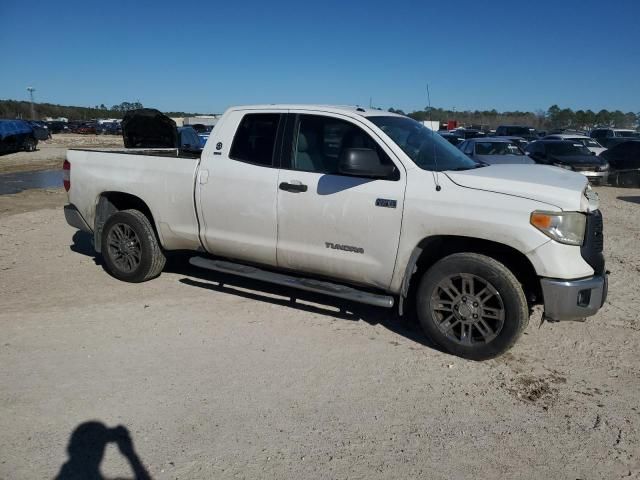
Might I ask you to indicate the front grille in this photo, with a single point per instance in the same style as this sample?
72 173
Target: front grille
586 168
593 244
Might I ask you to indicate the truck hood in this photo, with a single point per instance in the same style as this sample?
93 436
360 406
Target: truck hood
552 185
576 159
149 128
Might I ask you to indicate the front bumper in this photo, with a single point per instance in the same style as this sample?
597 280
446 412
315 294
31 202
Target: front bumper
573 299
74 218
599 177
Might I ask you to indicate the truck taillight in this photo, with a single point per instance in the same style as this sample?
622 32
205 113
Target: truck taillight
66 175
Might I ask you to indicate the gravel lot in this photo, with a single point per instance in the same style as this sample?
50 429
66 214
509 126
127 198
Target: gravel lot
51 153
217 377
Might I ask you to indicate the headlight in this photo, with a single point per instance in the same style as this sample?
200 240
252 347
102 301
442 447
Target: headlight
563 227
562 165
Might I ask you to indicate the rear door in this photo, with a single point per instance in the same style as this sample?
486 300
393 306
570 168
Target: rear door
237 187
334 225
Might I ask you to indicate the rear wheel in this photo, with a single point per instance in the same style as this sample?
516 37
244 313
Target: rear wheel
130 247
472 306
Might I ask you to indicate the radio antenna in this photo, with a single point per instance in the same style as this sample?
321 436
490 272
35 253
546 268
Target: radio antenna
433 143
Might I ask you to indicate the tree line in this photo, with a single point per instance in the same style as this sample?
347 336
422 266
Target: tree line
22 109
554 117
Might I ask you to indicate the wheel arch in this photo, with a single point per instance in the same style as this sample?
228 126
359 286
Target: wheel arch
431 249
111 202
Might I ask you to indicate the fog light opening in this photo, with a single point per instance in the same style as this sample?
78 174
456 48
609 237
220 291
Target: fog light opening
584 298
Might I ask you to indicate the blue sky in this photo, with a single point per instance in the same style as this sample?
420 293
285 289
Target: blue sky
206 56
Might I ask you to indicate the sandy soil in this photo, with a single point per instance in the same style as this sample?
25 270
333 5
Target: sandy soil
216 377
51 153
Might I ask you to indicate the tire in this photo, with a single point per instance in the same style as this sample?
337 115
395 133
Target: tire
29 145
481 316
130 248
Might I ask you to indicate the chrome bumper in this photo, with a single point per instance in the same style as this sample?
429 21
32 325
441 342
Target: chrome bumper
74 218
573 299
599 176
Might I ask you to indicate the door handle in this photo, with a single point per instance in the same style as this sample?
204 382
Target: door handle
295 186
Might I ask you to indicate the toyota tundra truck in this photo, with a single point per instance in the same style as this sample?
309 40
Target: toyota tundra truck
358 204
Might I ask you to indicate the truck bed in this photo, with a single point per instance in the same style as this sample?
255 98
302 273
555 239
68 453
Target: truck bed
155 152
162 178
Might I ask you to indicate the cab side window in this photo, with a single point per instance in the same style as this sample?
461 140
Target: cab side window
319 142
255 139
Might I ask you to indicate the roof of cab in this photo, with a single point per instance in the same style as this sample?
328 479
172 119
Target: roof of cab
348 109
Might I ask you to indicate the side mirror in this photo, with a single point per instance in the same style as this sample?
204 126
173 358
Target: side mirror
363 162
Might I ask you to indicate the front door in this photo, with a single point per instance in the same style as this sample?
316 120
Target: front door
335 225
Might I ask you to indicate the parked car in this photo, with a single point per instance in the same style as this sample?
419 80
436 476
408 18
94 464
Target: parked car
16 135
40 130
528 133
495 151
109 128
465 133
57 127
392 213
588 142
521 142
203 132
452 138
86 128
608 137
624 159
189 140
570 156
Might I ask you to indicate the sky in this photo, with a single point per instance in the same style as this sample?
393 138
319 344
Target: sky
204 56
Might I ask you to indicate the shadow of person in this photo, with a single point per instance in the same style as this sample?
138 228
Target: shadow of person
86 449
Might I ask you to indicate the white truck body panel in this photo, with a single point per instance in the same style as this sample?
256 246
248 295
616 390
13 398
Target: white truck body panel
165 184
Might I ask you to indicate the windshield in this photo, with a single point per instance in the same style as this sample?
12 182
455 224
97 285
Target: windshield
565 148
587 142
626 133
497 148
425 147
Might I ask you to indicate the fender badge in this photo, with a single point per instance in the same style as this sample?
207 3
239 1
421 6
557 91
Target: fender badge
219 146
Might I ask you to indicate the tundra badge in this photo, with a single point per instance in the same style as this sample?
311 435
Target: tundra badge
344 248
384 202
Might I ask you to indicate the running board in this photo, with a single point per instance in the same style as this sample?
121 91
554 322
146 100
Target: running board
308 284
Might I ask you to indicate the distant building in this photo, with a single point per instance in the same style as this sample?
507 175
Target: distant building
435 125
59 119
202 119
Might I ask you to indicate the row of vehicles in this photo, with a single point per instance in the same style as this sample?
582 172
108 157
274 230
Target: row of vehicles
570 151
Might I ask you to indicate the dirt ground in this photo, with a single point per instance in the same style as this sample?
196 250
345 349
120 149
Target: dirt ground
217 377
51 153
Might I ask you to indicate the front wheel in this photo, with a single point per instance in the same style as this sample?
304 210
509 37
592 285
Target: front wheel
29 145
472 306
130 248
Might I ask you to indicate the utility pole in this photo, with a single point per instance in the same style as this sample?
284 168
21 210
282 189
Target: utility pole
33 112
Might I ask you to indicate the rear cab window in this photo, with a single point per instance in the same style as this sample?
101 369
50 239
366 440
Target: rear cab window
255 140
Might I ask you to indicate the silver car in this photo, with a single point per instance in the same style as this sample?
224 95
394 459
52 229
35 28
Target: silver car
495 151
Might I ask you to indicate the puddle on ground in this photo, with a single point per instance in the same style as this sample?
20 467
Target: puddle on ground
20 181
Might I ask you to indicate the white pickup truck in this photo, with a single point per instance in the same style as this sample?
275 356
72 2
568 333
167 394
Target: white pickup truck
359 204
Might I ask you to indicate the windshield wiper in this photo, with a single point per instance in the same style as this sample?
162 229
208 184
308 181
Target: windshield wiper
460 169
